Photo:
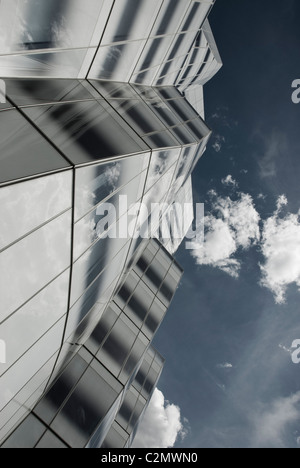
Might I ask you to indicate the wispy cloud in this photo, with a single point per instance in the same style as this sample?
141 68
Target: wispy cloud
271 424
218 143
161 425
274 148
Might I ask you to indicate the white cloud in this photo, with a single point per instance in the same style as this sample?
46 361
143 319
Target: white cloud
230 226
218 143
227 365
161 425
270 425
281 249
230 182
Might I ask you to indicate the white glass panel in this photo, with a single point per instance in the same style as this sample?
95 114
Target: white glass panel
28 205
32 263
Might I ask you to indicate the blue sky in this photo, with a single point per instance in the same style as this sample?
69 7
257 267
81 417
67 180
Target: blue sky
228 335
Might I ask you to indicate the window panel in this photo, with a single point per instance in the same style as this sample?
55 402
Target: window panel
161 161
111 62
103 222
33 262
50 441
136 354
103 329
195 16
45 24
28 205
138 115
154 319
23 151
85 131
95 183
170 17
27 434
154 53
131 20
84 410
33 320
56 64
33 361
116 438
117 346
28 92
107 252
88 309
139 304
127 289
51 403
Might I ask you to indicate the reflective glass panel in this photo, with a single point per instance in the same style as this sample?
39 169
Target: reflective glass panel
61 64
33 320
47 24
27 434
84 410
95 183
28 92
116 62
50 441
28 205
131 20
86 131
23 151
29 265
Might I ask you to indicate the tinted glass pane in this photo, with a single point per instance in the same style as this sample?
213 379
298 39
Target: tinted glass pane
55 397
131 20
49 440
27 434
62 64
23 151
95 183
42 91
86 131
84 410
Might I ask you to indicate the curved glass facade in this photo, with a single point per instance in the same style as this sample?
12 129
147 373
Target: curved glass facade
103 104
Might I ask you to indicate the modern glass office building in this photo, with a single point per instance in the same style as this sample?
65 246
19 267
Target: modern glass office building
101 106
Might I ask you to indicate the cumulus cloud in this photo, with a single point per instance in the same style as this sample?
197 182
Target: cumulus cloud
161 425
231 225
229 182
270 425
281 249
